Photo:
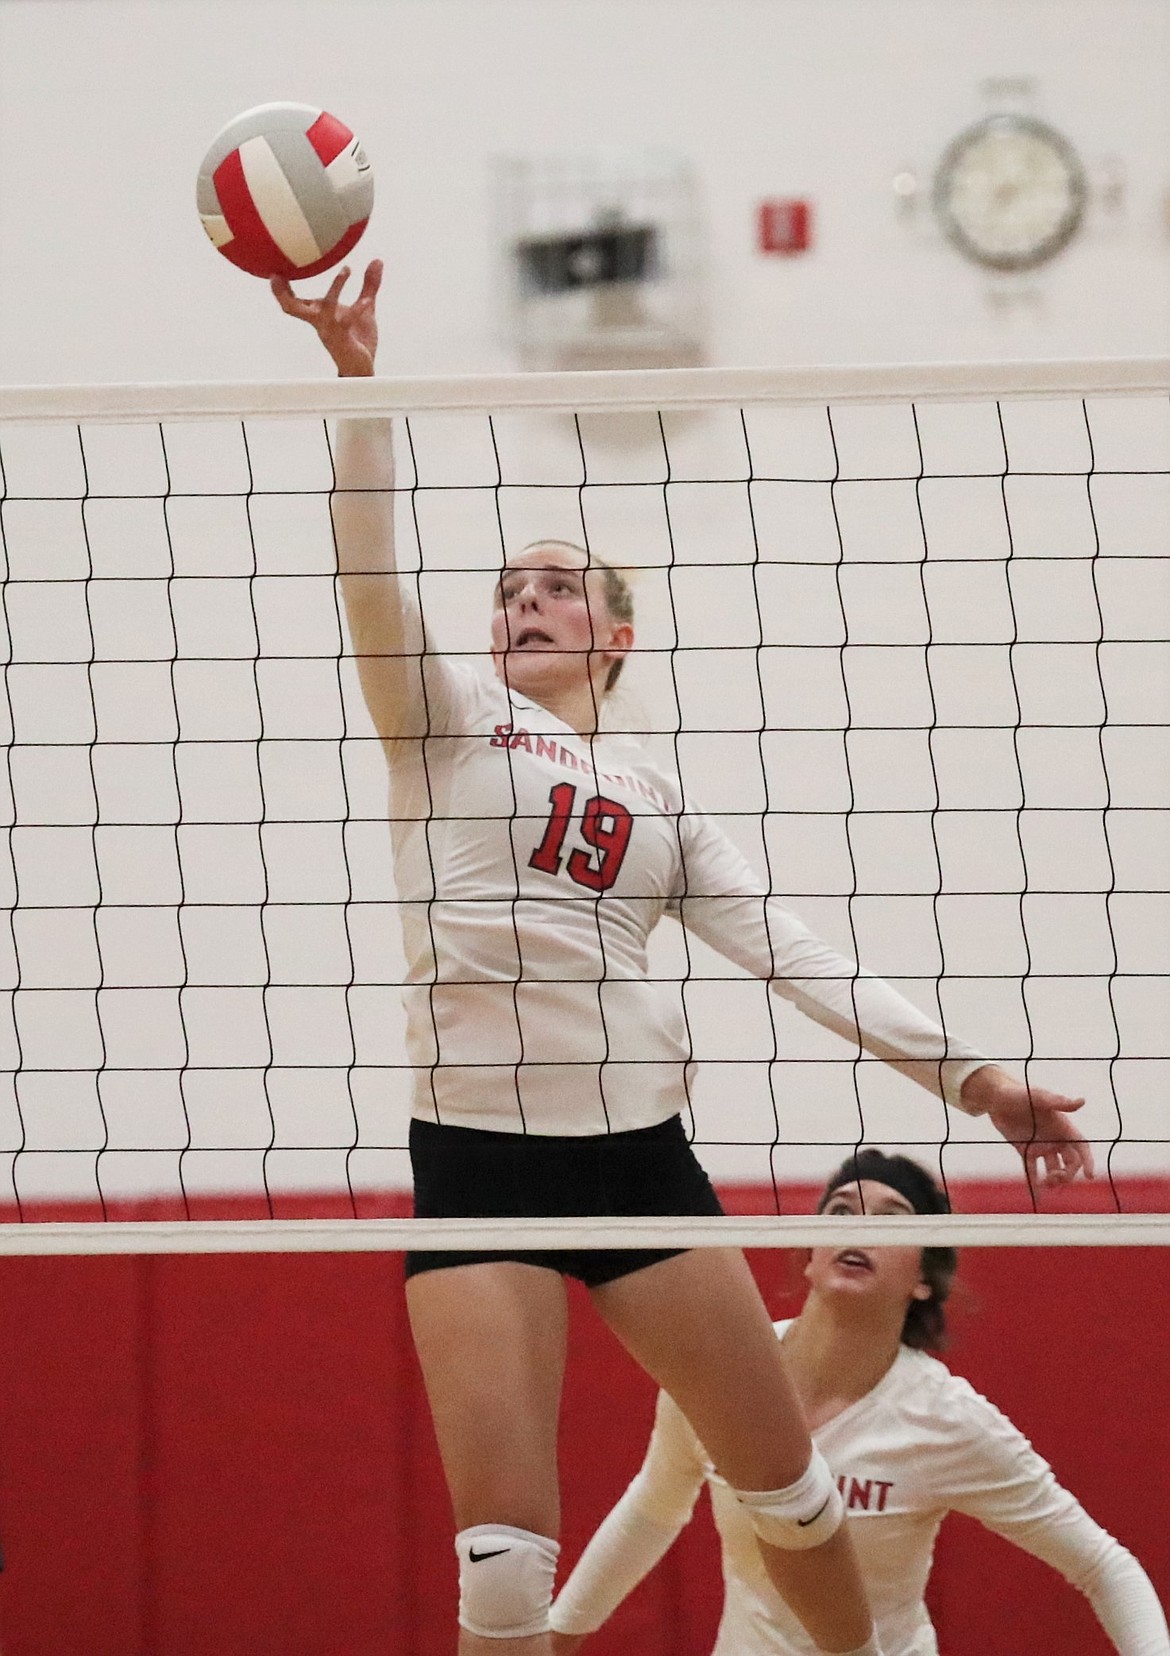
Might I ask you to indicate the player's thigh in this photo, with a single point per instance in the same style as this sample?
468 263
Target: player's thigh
490 1340
698 1326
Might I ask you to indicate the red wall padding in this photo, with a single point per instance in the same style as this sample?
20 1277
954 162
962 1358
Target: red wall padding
230 1455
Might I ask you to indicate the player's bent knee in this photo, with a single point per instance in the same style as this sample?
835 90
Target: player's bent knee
506 1579
806 1514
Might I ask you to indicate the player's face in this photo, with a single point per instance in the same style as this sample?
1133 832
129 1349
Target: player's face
889 1275
551 625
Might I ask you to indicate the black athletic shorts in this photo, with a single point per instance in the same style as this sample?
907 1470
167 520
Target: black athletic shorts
472 1173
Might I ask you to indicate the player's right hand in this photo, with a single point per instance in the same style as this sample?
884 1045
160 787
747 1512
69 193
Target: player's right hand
348 332
1035 1120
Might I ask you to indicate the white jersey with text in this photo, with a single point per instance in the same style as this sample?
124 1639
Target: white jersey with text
532 865
920 1444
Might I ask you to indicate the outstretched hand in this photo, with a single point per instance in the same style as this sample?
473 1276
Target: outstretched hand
348 332
1036 1121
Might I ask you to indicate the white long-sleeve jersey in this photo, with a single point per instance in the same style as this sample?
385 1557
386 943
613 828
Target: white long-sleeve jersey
533 864
921 1444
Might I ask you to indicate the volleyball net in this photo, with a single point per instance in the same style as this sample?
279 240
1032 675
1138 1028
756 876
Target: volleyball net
904 632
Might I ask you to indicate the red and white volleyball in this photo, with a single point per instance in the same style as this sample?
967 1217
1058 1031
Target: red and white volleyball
285 190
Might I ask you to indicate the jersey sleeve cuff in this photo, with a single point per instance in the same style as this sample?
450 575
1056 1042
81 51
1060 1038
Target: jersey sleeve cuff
954 1073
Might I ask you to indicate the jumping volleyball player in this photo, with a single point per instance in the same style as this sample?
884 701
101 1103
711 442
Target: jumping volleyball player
907 1441
534 853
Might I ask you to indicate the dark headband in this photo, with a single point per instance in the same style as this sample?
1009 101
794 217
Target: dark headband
898 1172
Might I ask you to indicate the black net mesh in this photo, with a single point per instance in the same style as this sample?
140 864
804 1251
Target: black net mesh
911 658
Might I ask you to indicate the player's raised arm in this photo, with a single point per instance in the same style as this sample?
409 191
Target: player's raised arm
384 623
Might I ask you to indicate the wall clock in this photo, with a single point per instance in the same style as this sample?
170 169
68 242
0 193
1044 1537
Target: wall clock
1010 192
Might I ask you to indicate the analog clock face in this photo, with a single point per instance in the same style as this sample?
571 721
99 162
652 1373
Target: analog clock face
1010 192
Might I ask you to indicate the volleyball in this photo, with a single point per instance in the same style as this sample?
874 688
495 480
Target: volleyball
285 190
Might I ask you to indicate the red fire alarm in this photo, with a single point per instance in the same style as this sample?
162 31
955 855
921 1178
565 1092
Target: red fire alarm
784 226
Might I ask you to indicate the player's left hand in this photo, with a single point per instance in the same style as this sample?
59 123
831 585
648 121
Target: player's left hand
1036 1121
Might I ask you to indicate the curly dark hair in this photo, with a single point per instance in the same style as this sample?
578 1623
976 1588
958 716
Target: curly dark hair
925 1325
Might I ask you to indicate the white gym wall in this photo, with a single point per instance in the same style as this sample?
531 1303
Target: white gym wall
107 106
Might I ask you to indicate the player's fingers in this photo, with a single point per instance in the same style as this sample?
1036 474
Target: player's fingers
1043 1160
287 299
1056 1101
1077 1157
1064 1161
1055 1170
1034 1164
1056 1150
1075 1150
1046 1100
371 282
333 294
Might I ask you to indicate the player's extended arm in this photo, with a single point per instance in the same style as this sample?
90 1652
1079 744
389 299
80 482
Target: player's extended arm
723 903
1088 1557
1126 1605
1016 1494
384 624
630 1541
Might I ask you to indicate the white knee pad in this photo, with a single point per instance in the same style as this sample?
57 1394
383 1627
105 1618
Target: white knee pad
506 1579
804 1515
